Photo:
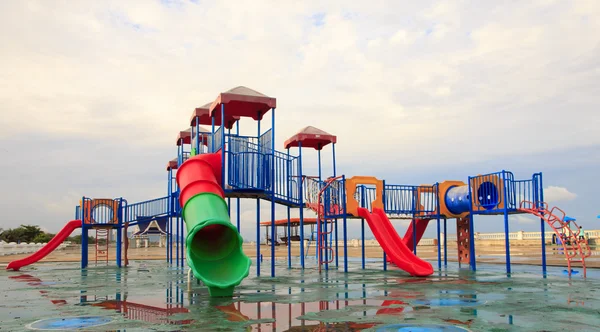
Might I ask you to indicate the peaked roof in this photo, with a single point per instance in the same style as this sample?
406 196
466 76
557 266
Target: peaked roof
310 137
153 225
172 164
184 137
202 114
242 102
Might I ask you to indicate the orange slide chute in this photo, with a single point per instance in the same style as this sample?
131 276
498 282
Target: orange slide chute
48 248
393 245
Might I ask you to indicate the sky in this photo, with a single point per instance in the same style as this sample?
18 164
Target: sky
93 94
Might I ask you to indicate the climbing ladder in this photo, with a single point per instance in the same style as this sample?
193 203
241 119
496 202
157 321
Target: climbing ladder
102 248
325 227
576 249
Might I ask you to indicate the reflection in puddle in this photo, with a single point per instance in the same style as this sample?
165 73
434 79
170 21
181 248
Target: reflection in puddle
159 298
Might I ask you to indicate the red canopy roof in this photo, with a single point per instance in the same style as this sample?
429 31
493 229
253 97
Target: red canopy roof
242 101
203 115
310 137
184 137
293 222
172 164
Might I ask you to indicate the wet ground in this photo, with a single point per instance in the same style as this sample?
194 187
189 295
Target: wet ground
151 296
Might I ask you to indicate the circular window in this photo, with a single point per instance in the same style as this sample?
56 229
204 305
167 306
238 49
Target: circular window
102 214
488 195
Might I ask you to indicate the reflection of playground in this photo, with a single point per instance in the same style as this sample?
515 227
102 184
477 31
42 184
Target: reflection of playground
146 313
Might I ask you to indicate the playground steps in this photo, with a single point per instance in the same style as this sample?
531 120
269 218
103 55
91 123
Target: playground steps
102 248
576 249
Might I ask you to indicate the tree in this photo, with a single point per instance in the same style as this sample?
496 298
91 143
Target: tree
43 238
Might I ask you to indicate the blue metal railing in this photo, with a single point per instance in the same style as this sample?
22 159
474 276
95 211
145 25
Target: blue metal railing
264 142
407 199
488 197
249 166
154 207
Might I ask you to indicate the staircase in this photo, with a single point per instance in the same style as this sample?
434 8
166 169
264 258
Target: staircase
102 248
576 249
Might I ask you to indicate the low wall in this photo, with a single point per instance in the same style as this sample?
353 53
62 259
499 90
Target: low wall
13 248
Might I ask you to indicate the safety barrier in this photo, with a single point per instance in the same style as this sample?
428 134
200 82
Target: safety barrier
406 199
154 207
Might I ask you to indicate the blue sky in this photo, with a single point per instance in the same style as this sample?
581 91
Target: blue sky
92 94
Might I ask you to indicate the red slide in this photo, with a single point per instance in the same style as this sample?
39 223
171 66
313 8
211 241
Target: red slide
392 244
421 226
48 248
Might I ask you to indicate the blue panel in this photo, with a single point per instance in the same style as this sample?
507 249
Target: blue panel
457 199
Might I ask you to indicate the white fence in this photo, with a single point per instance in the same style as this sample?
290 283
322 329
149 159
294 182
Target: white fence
13 248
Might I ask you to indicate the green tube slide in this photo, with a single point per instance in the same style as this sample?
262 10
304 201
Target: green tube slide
214 246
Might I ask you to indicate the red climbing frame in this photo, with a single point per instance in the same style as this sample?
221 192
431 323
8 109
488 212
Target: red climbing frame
576 250
462 238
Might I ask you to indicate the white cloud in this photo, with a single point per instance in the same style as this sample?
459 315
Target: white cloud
558 194
524 219
391 80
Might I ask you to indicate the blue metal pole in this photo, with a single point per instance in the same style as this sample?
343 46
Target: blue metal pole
439 253
301 194
169 207
119 233
258 237
345 230
197 135
540 191
506 230
182 240
223 168
472 258
273 229
362 226
413 223
335 221
177 235
212 135
258 212
445 242
289 196
84 235
237 214
383 199
318 252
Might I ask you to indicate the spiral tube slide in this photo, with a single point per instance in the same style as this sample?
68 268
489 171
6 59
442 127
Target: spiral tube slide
214 246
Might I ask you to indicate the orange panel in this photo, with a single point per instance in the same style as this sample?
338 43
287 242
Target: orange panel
444 187
351 202
91 204
496 181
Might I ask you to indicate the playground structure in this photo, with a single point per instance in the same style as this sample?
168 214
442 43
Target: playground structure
217 164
